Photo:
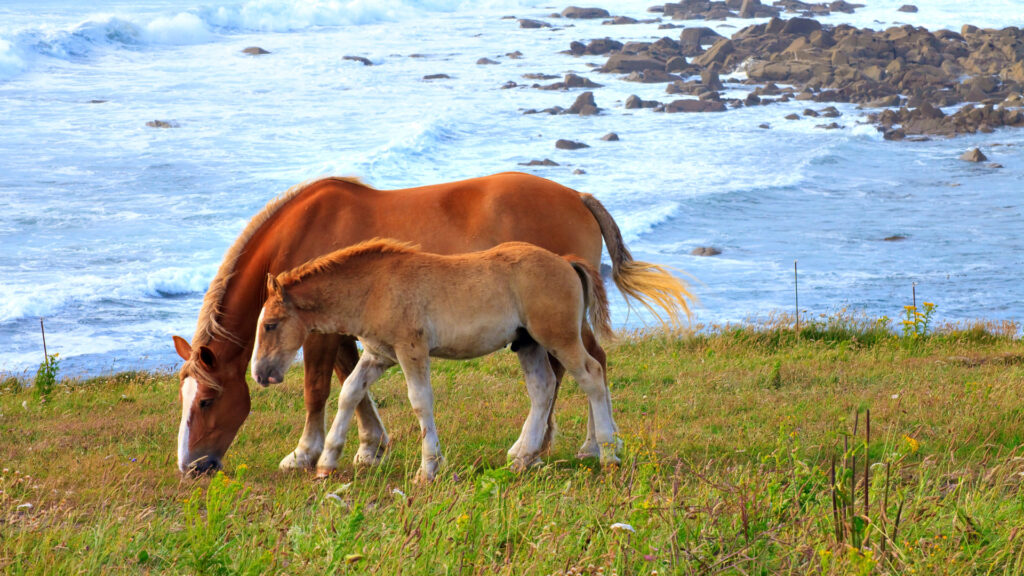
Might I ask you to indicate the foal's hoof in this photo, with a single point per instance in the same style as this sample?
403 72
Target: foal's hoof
367 457
322 473
520 465
298 461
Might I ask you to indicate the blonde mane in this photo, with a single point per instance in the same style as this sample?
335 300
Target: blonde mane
372 247
209 327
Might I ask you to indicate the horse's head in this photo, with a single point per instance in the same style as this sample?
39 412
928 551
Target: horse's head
280 333
214 404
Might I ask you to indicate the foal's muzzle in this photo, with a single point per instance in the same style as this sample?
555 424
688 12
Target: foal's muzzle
266 375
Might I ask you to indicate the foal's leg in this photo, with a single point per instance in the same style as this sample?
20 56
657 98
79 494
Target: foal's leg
540 384
590 448
373 438
416 366
590 375
321 353
353 391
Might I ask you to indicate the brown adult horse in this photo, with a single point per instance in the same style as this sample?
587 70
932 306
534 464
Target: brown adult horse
312 219
407 306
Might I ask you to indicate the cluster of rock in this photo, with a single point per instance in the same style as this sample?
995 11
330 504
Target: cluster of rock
902 65
718 10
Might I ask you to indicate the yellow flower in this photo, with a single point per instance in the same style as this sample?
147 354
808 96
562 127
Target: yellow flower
912 443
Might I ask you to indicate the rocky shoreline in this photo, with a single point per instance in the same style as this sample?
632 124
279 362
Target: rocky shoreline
902 75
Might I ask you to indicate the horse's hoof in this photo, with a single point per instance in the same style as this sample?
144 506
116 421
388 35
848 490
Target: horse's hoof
322 473
589 450
296 461
423 477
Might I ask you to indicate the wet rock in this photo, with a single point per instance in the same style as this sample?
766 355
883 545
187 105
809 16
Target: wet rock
717 54
907 8
539 76
994 165
544 162
562 144
792 116
705 251
610 137
694 106
436 77
508 85
571 81
618 20
533 24
517 55
486 61
709 77
811 113
764 126
894 238
698 36
831 126
579 171
973 155
652 76
162 124
587 13
635 101
360 59
255 51
585 105
624 63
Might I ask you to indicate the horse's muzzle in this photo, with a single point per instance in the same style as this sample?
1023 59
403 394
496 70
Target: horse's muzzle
204 465
265 375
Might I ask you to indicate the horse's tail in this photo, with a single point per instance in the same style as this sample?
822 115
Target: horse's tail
595 300
649 284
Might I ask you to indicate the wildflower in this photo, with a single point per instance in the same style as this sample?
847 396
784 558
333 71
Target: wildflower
623 527
895 396
334 497
912 443
25 506
398 492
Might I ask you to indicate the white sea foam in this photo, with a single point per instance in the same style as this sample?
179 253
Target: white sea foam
179 281
11 62
181 29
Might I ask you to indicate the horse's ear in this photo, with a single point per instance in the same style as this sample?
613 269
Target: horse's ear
207 358
275 288
183 348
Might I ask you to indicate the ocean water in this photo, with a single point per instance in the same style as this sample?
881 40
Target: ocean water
111 230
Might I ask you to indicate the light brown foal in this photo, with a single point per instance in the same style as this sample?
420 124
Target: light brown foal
406 306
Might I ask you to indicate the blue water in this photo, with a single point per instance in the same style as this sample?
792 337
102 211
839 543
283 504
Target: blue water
111 230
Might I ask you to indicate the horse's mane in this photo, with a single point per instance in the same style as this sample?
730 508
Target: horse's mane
209 326
372 247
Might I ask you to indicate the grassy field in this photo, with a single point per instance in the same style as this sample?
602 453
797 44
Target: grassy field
732 441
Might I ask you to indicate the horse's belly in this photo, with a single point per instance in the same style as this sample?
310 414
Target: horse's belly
472 340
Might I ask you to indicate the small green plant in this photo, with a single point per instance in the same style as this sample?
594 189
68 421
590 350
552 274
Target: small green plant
917 322
46 376
207 534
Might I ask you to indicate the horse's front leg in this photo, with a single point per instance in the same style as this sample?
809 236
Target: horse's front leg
416 366
541 386
318 353
353 391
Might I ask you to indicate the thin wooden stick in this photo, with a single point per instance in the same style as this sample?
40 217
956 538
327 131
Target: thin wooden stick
796 297
46 355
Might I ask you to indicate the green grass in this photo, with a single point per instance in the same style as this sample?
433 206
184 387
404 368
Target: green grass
730 438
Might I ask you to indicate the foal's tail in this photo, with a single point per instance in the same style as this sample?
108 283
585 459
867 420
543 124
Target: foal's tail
649 284
595 300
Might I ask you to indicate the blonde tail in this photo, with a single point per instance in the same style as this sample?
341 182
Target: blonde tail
650 284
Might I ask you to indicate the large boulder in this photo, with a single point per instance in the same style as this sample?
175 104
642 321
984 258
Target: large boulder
695 106
624 63
577 12
585 105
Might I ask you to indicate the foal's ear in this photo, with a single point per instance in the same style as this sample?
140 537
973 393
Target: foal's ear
183 348
274 287
207 358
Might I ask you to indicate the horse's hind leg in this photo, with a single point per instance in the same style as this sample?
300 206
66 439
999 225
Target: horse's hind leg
353 392
540 384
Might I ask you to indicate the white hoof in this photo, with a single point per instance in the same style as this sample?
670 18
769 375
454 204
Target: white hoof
589 449
298 461
520 465
368 456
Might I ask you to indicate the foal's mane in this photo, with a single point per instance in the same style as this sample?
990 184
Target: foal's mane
209 326
372 247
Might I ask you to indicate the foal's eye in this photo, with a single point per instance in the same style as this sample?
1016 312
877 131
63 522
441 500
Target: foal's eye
270 326
206 402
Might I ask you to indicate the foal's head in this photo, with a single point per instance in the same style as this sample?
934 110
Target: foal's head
280 333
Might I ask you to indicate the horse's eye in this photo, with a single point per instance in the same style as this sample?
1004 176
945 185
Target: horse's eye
206 402
270 326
